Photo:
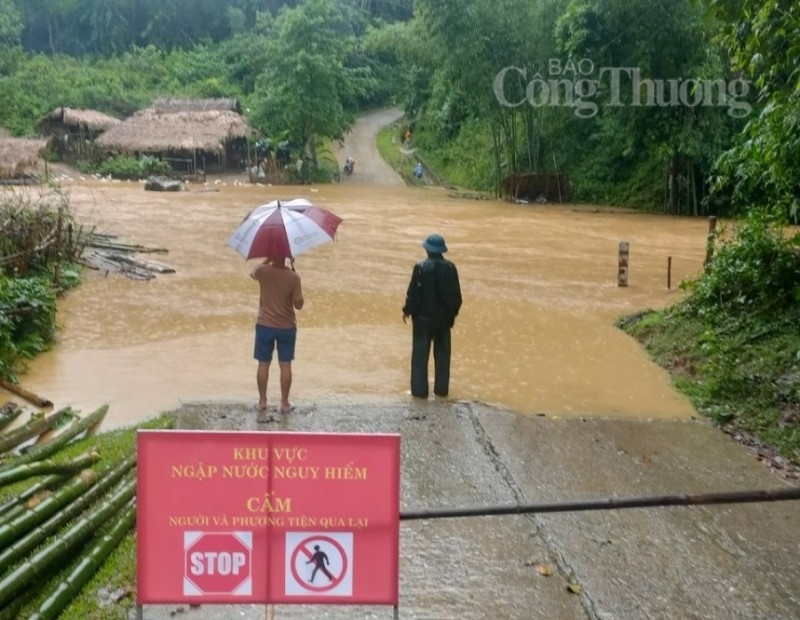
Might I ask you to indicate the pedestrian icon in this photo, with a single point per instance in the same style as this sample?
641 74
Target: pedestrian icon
319 564
320 560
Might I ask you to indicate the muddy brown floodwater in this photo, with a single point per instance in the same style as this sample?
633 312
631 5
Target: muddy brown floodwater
536 333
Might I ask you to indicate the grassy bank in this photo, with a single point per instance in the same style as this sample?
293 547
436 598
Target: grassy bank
388 143
745 380
733 346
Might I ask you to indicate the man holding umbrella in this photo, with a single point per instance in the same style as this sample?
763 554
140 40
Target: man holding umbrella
280 294
433 300
279 231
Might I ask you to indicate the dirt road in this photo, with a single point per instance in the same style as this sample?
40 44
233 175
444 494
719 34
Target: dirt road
359 144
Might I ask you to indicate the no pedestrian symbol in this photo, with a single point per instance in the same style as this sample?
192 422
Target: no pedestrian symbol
319 564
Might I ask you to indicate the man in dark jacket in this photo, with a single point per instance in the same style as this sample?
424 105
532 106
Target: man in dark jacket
432 301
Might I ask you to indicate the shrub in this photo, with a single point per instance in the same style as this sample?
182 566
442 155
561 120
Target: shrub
753 274
27 319
129 168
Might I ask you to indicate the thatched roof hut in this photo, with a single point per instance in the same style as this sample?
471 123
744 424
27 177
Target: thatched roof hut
89 121
74 130
150 131
172 104
19 156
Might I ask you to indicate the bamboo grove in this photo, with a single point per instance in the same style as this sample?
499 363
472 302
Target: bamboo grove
67 500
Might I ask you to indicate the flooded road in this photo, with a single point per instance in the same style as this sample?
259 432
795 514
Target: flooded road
535 334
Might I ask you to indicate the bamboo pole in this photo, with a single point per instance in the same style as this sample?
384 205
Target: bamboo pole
611 503
43 450
90 563
56 552
48 466
36 426
23 523
8 413
37 535
26 394
18 500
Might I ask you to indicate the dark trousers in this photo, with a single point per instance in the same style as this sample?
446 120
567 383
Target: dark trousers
426 332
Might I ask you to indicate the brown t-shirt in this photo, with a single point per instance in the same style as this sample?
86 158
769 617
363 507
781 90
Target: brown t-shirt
281 293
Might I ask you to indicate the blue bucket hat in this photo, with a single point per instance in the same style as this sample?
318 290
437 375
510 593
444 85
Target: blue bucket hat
435 244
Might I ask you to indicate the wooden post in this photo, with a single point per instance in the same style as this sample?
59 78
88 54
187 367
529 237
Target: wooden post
624 254
669 273
712 226
558 180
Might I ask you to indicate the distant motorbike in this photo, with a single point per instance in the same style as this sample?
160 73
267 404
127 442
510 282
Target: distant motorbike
349 165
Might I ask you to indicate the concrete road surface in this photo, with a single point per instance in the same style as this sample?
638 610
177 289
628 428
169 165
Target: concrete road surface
370 168
732 561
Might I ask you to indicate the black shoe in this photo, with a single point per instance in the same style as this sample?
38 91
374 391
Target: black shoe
442 394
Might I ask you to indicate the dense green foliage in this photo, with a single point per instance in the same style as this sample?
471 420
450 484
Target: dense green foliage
128 168
299 69
78 27
733 344
27 319
31 85
36 260
698 115
762 167
310 91
571 99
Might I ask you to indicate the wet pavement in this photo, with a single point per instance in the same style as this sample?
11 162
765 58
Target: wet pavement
733 561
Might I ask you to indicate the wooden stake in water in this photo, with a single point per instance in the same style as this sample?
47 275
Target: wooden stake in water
669 273
712 228
624 255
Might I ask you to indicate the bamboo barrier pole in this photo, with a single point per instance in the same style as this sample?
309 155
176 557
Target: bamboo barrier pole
611 503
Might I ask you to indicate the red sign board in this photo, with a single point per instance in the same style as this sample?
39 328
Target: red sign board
259 517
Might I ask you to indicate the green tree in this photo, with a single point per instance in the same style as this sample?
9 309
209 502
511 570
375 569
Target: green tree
308 90
466 45
763 168
11 25
650 142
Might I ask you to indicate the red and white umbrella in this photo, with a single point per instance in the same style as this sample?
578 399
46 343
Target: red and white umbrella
284 229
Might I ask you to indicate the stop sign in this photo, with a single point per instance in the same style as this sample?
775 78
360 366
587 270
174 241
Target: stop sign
217 563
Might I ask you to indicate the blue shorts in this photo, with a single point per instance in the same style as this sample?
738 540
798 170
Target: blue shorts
268 337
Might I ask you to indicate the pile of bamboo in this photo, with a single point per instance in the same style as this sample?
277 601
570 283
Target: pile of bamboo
104 253
56 507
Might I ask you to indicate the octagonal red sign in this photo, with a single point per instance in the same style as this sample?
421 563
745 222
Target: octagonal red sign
217 563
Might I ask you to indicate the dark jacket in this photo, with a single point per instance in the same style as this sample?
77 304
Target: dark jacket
434 291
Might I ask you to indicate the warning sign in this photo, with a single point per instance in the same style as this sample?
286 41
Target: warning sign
319 563
261 517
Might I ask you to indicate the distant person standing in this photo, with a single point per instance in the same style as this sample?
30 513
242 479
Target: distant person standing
418 171
433 300
280 294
